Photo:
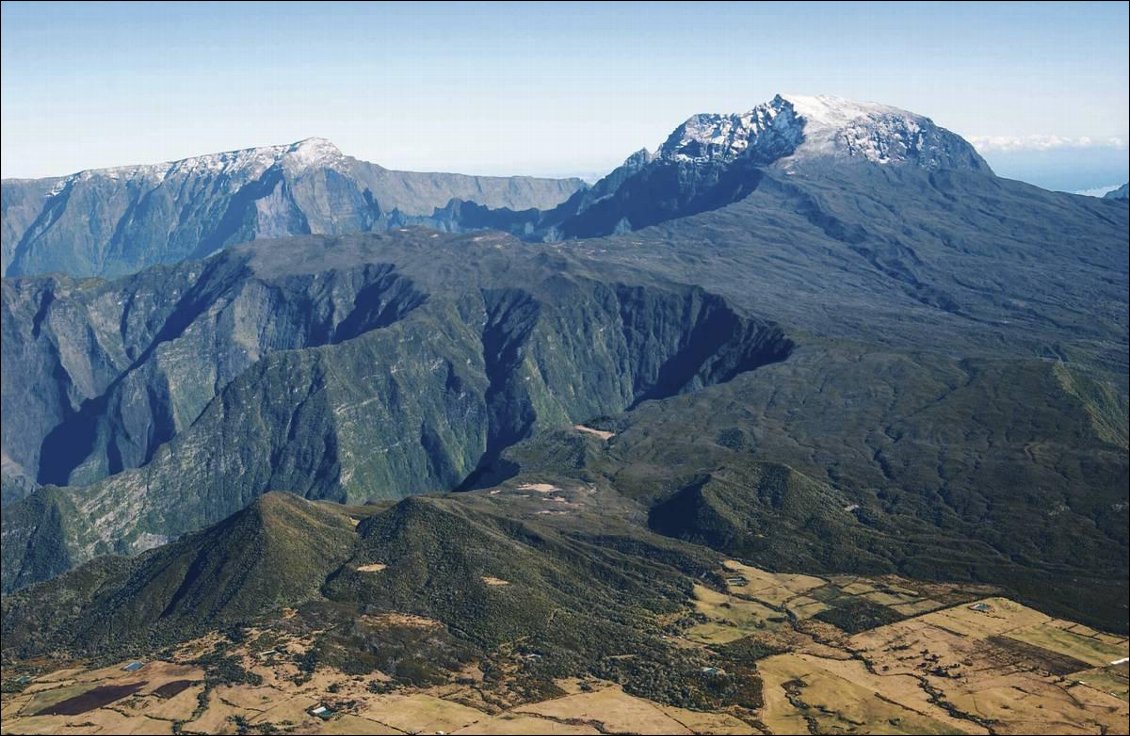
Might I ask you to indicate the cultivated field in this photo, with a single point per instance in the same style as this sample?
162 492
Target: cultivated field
820 655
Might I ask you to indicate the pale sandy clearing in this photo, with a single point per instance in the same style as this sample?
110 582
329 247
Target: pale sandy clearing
538 487
598 432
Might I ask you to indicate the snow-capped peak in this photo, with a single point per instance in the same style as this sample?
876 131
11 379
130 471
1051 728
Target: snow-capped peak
252 162
240 166
313 152
768 131
794 128
834 126
836 112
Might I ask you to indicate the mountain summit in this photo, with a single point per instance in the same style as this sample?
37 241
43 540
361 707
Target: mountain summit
798 128
245 164
712 160
109 222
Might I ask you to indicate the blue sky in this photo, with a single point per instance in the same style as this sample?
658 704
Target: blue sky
549 89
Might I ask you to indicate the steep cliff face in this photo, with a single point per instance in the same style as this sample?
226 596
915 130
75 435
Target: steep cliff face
116 369
109 222
21 202
340 370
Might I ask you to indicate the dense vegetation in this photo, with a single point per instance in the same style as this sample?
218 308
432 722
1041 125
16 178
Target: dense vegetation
860 368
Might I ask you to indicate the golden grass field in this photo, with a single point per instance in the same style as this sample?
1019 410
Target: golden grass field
957 662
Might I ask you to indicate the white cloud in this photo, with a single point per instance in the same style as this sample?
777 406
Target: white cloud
991 143
1098 191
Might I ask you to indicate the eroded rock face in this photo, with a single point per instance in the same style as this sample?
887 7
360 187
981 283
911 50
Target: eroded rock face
121 368
109 222
168 400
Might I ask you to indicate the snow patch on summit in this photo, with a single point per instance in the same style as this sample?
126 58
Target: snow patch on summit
837 112
881 134
833 124
239 166
768 132
795 128
250 163
313 152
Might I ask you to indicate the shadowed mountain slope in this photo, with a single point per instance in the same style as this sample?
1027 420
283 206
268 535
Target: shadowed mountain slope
349 369
493 571
108 222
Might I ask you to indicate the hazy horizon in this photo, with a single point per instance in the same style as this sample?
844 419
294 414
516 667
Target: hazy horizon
548 90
